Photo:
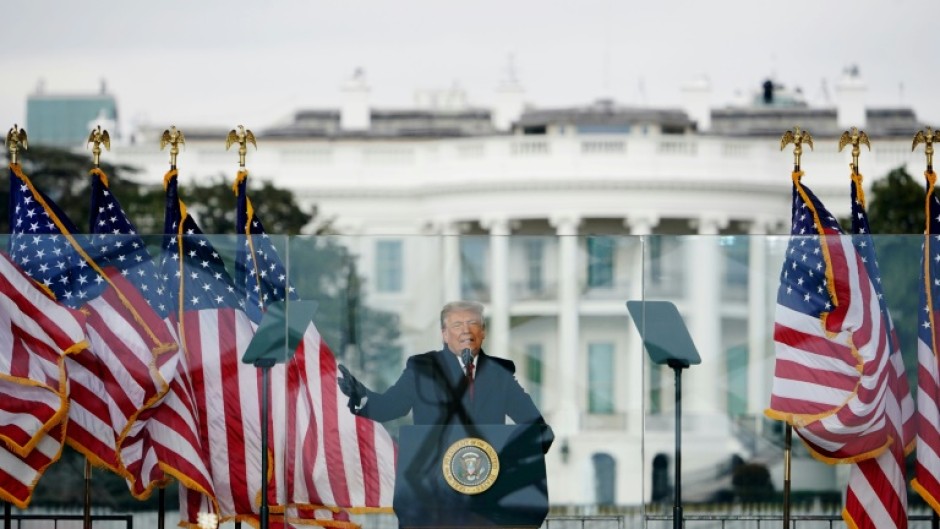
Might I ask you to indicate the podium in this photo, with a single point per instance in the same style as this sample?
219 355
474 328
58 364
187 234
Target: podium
471 476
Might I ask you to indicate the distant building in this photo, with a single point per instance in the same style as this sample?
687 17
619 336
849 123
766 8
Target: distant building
528 211
64 120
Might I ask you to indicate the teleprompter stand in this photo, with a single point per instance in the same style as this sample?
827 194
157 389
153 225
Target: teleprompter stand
277 337
667 341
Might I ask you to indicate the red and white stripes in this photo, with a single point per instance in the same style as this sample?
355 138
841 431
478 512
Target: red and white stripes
38 334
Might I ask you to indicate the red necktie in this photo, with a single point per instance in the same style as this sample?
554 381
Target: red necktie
470 378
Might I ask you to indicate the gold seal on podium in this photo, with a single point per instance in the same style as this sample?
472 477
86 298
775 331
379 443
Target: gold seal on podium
470 466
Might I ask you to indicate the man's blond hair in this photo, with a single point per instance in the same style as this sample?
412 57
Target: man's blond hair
462 305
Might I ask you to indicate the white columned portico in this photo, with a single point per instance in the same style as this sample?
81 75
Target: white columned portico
497 334
704 316
640 226
566 419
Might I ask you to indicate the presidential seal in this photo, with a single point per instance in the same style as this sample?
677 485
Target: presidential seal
470 465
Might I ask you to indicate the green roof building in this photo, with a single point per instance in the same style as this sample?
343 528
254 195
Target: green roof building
64 120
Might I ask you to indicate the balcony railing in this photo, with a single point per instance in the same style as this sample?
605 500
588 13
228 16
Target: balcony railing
619 288
527 291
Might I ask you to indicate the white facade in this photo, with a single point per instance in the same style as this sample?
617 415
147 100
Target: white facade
511 196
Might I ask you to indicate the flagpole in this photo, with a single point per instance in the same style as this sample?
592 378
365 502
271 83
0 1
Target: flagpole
86 513
161 508
243 137
15 138
265 366
787 452
796 137
928 136
172 137
96 138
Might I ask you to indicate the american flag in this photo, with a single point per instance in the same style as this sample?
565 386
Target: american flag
214 332
113 381
164 440
37 333
927 473
831 340
259 270
327 461
353 458
876 495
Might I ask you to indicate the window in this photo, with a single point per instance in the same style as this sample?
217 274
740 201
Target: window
388 266
656 388
736 256
385 365
662 490
622 128
473 268
736 362
605 485
656 256
601 378
534 250
533 371
600 262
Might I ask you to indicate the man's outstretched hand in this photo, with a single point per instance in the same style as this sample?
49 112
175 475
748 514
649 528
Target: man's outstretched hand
351 387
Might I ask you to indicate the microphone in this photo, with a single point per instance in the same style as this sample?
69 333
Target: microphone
467 356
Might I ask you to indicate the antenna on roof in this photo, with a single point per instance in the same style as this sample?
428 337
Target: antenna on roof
824 91
510 72
607 22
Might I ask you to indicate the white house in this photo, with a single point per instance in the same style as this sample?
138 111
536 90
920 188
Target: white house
554 217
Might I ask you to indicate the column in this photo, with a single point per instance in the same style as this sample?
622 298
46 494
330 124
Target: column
702 393
758 325
640 226
566 418
497 332
450 260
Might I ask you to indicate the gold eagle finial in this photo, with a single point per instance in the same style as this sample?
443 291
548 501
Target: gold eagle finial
242 137
855 138
797 137
97 138
927 137
174 138
16 140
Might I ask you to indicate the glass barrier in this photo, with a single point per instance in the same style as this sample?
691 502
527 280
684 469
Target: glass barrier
554 305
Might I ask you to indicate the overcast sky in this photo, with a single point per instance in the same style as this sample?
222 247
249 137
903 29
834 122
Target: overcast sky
210 62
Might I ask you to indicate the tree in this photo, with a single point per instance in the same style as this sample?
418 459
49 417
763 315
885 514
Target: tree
896 205
212 204
897 218
323 269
